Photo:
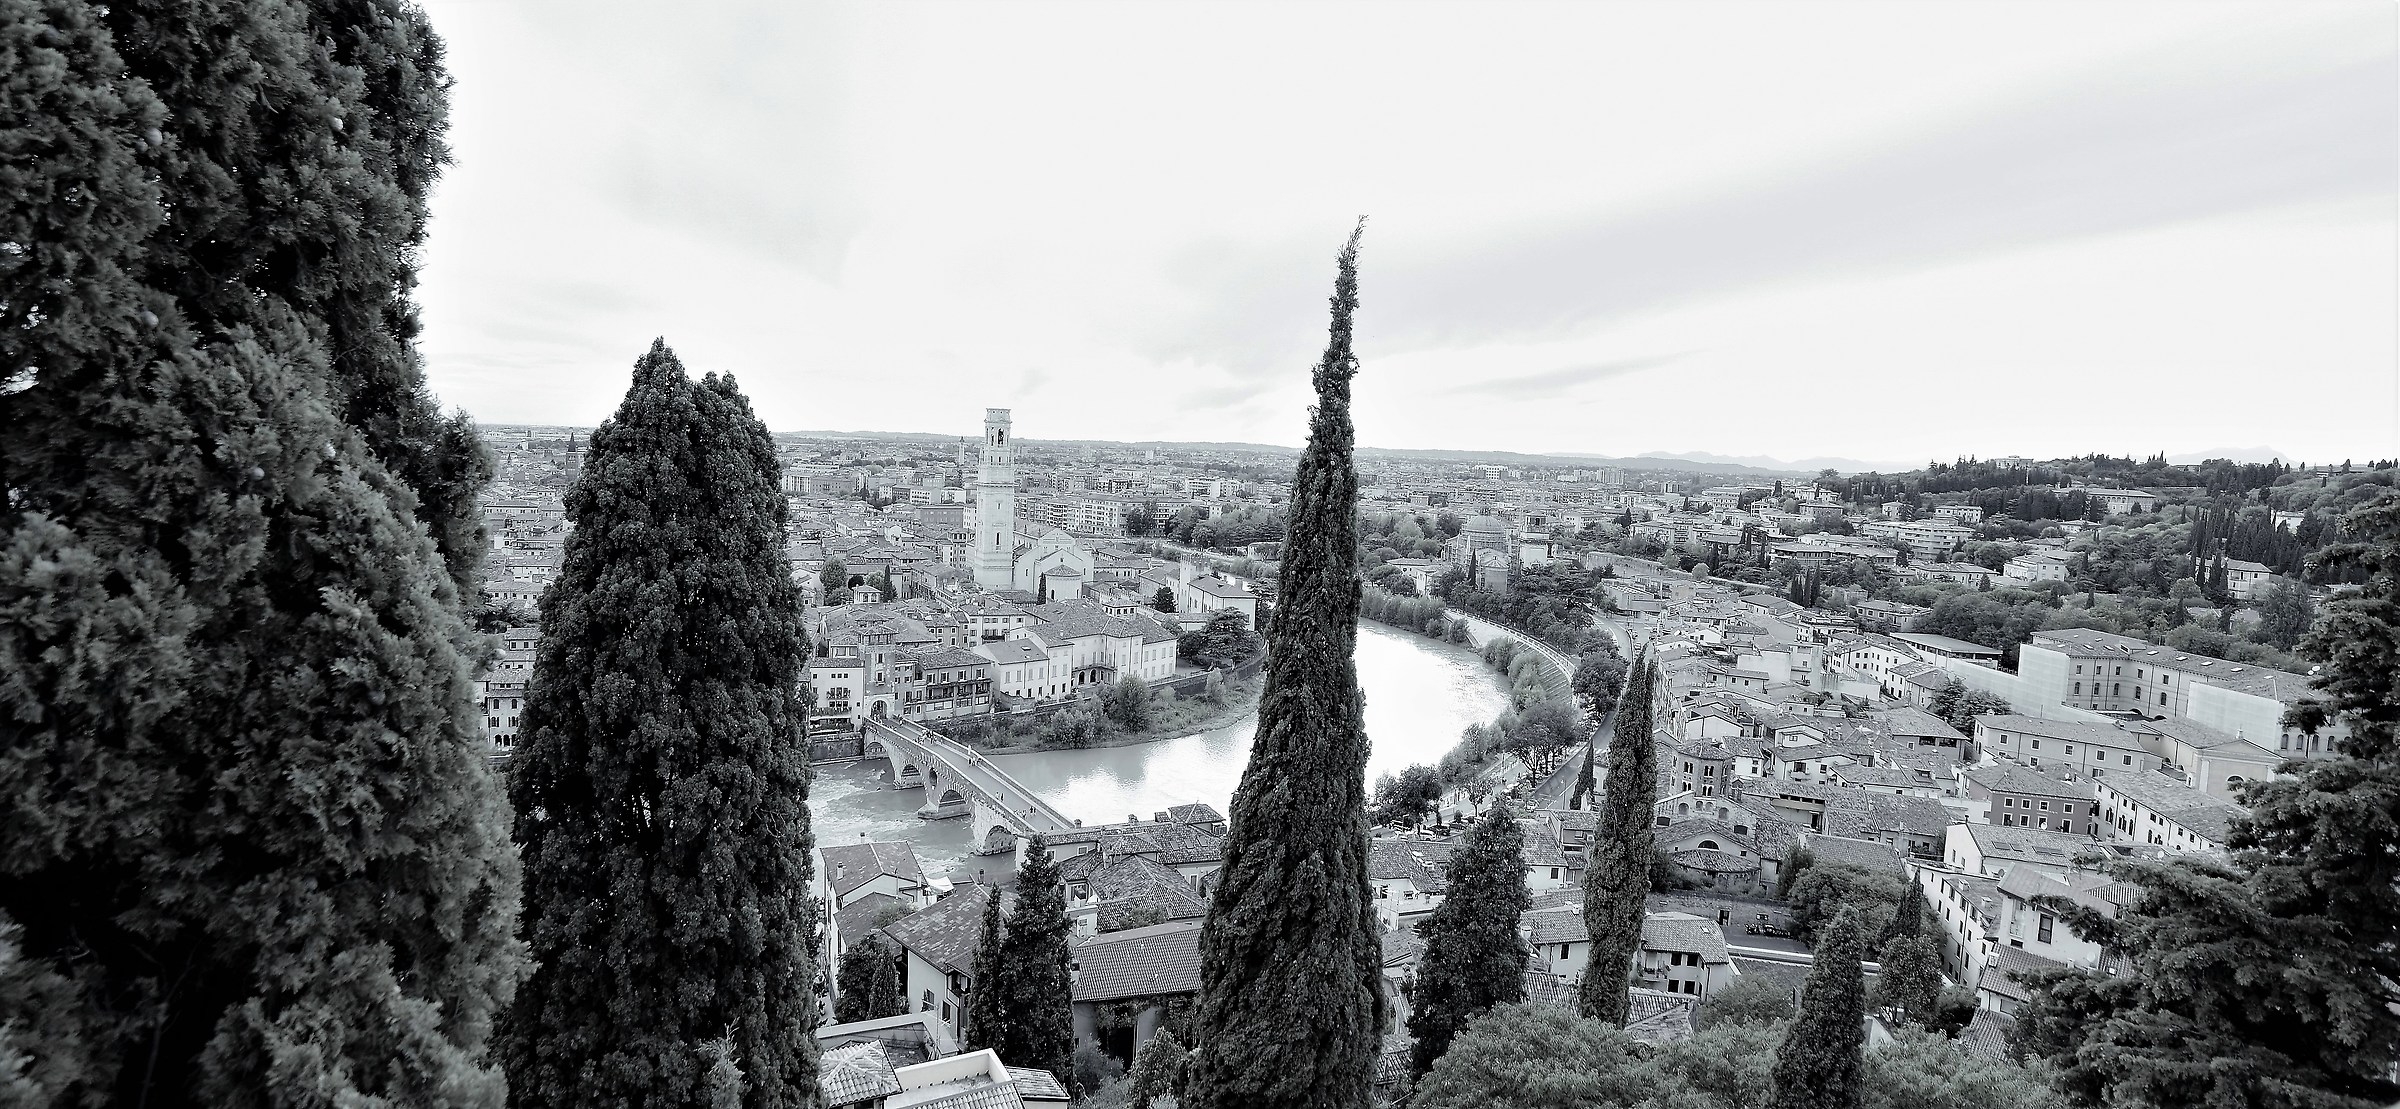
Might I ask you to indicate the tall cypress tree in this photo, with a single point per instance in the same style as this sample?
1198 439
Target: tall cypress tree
254 852
1474 958
1619 877
2265 978
987 1018
308 134
1817 1065
1290 955
870 981
1038 1009
661 789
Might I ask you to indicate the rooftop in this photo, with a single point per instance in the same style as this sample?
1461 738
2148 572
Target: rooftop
1138 962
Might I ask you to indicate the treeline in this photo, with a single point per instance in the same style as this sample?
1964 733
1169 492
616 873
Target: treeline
2214 476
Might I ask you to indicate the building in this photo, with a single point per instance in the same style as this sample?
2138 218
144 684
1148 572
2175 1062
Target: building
1144 970
2037 566
2156 810
2012 795
996 505
2082 746
2102 672
1680 953
938 945
1024 669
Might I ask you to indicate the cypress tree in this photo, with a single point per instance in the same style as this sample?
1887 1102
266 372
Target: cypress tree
987 1020
306 136
870 983
1290 955
254 852
661 790
1037 1009
2264 978
1817 1065
1474 958
1619 877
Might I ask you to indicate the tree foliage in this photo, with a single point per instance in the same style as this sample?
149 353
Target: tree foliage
1033 981
1817 1066
1473 958
1225 641
1619 877
1291 1009
1126 704
1749 999
870 978
1407 797
2267 978
986 1022
664 769
254 852
1157 1070
1599 675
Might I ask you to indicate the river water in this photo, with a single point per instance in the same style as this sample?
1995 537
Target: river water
1420 694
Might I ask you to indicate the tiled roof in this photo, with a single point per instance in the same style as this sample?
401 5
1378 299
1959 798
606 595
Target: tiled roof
851 865
2009 969
1866 856
1560 925
1133 883
856 1072
1423 862
1137 962
1684 932
1013 651
854 919
2009 777
946 932
1037 1084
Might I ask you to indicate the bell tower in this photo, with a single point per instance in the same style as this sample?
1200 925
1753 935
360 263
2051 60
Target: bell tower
996 505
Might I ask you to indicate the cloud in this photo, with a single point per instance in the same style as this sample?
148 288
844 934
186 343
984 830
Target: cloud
2122 149
1565 378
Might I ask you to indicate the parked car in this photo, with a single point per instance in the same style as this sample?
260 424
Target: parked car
1768 926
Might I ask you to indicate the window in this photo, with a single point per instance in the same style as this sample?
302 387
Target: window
2129 760
2079 689
2042 932
945 1010
1554 872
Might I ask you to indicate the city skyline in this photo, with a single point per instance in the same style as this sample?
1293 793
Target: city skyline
2080 230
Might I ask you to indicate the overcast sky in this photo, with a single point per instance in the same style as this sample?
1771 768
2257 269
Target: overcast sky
1887 231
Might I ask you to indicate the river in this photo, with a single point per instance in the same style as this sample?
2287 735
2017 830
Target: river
1420 694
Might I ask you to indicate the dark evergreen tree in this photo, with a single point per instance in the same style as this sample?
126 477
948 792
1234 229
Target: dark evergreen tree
870 978
1619 876
1818 1064
1291 962
1163 600
1036 1003
987 1019
2266 978
661 790
301 144
254 854
1473 958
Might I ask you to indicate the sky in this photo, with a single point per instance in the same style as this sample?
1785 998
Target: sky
1891 232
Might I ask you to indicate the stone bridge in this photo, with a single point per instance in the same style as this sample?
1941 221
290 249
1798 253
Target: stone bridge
958 781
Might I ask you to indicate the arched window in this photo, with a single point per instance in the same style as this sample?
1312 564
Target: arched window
1709 845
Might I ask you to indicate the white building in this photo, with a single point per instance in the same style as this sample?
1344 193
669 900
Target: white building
2154 810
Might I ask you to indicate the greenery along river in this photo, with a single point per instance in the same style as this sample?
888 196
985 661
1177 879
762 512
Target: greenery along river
1420 694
